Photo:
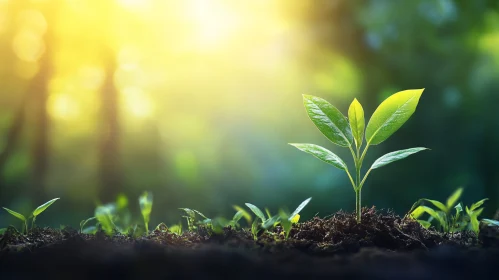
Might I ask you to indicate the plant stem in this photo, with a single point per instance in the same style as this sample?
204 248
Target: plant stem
357 205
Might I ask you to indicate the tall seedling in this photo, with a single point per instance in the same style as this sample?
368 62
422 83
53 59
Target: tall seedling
350 133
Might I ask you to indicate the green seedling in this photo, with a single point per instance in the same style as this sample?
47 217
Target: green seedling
246 215
145 202
192 222
105 214
442 213
33 215
84 222
288 220
261 222
350 133
176 229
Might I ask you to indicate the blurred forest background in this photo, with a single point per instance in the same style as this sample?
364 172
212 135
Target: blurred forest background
196 100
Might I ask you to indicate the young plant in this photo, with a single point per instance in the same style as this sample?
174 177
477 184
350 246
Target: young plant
192 222
288 220
145 202
33 215
442 214
261 222
84 222
350 133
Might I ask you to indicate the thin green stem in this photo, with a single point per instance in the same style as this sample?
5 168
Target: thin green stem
364 180
351 180
358 205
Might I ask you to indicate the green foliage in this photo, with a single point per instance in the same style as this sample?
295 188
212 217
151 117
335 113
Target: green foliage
193 222
145 203
386 120
491 222
176 229
84 222
34 214
444 219
105 215
257 211
287 220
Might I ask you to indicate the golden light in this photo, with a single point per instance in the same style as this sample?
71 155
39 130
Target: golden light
137 103
62 106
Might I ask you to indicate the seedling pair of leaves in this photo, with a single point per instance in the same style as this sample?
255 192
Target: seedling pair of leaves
350 133
33 215
263 223
442 214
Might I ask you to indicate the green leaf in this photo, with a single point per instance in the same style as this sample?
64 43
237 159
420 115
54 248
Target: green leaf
104 215
84 222
270 222
239 214
391 115
454 198
286 222
329 120
417 212
394 156
201 214
145 203
299 208
437 204
246 215
357 121
478 204
257 211
323 154
424 223
44 206
15 214
433 213
491 222
255 228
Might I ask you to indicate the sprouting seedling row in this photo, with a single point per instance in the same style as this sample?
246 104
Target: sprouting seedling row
350 133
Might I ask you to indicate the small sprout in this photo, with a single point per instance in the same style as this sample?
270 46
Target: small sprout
246 215
145 202
104 215
176 229
350 133
255 228
84 222
257 211
442 214
269 223
35 213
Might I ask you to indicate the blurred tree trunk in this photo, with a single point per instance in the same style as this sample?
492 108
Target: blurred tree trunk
110 171
39 97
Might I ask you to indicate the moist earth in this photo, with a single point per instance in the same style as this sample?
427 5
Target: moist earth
382 246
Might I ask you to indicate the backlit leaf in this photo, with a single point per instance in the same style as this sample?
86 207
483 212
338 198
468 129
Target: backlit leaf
452 200
323 154
437 204
357 121
270 222
44 206
239 214
299 208
145 203
478 204
257 211
394 156
329 120
15 214
491 222
391 115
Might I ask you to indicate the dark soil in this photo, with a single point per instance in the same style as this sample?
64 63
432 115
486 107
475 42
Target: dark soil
382 246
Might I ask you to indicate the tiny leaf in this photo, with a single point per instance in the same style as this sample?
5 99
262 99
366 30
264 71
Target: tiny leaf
15 214
299 208
323 154
391 115
454 198
329 120
44 206
257 211
246 215
357 121
394 156
239 214
145 203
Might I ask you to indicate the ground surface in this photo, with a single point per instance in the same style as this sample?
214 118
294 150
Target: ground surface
383 246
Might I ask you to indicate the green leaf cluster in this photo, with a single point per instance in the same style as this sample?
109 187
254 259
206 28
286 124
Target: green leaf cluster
442 216
350 132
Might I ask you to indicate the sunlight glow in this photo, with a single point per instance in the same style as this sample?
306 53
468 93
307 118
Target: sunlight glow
62 106
137 103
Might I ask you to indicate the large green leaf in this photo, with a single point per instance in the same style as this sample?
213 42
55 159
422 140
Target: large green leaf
322 154
357 121
391 115
438 204
299 208
257 211
329 120
44 206
394 156
15 214
454 198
